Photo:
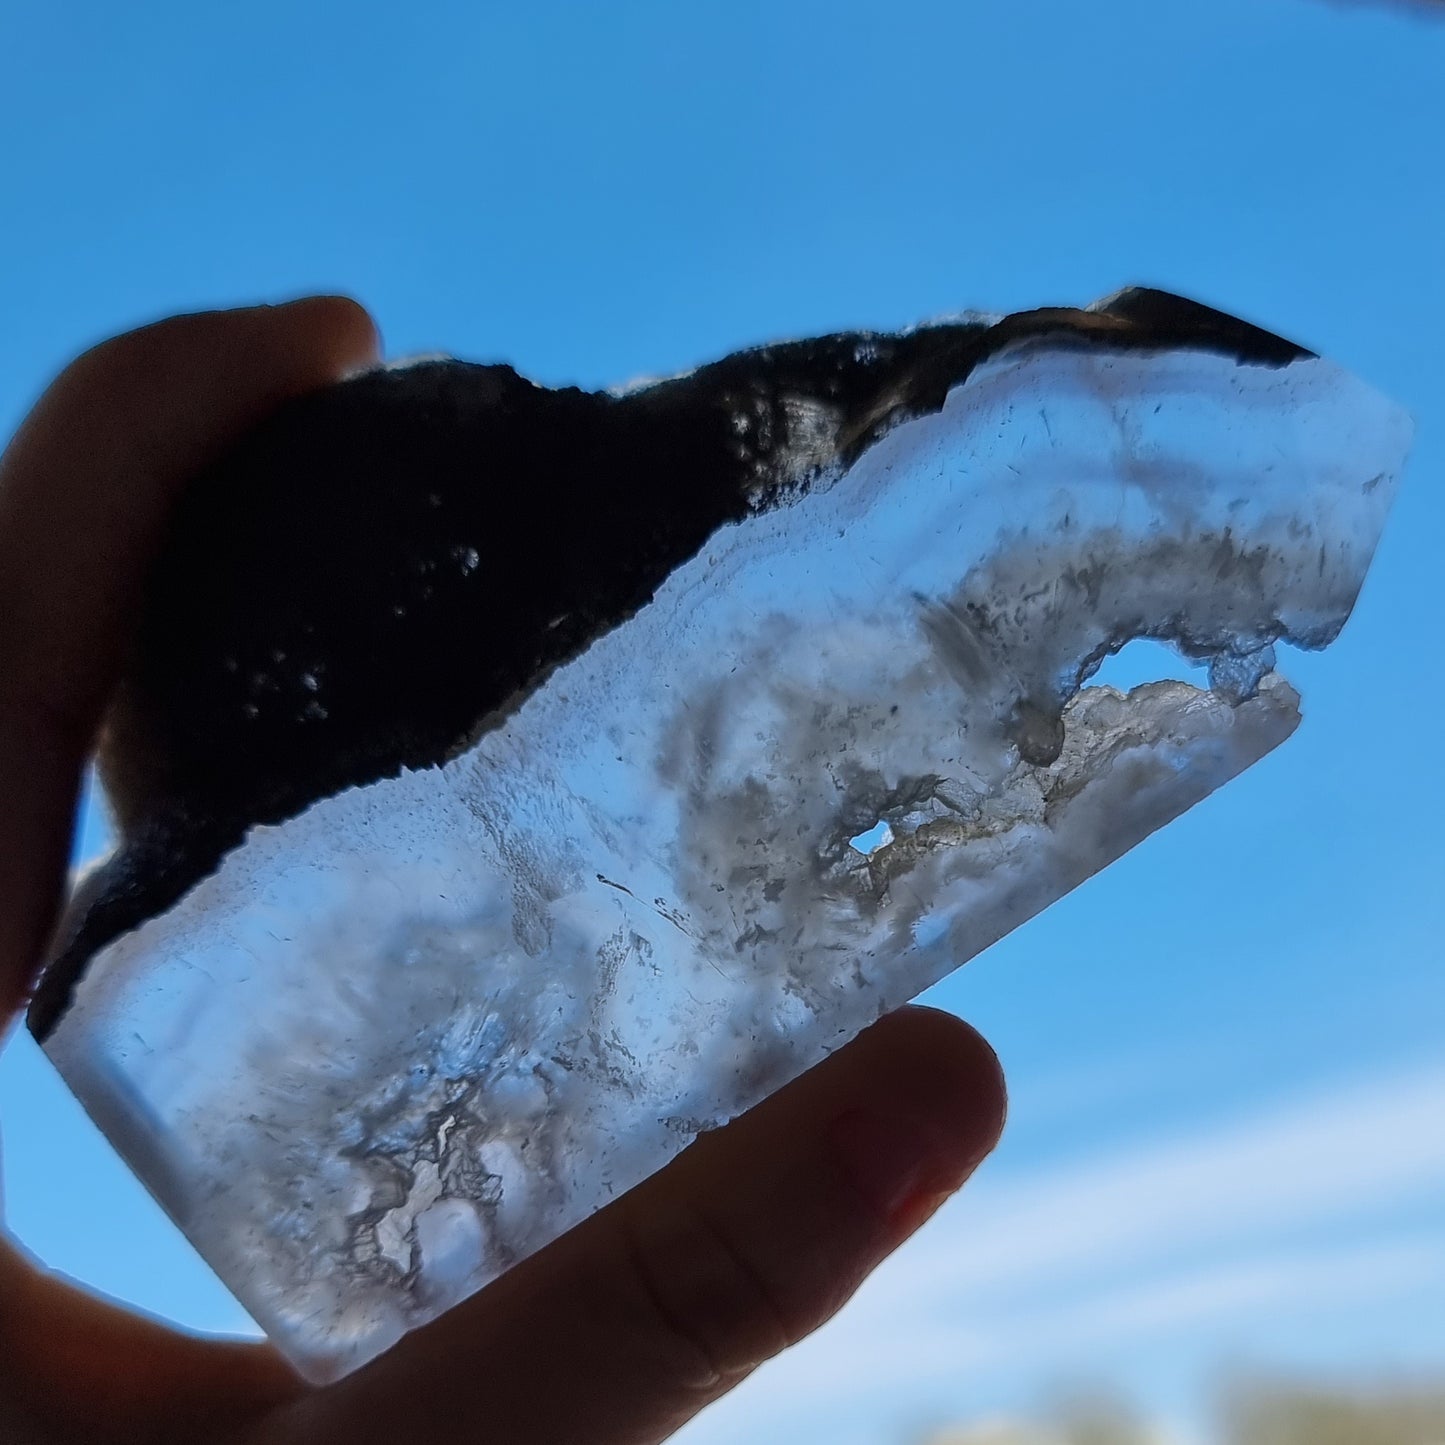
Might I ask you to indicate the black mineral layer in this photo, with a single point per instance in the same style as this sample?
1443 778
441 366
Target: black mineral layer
387 568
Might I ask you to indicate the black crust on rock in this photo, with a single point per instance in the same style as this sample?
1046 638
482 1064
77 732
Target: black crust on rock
387 566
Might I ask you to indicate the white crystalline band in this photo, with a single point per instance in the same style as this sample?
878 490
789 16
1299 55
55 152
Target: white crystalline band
395 1044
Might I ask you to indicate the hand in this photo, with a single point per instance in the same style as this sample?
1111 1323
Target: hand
620 1331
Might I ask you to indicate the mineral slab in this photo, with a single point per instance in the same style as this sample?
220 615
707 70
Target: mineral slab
513 783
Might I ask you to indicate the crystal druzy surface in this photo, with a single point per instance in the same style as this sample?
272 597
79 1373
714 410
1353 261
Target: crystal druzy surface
513 783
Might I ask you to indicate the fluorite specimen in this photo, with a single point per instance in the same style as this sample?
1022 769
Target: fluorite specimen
513 783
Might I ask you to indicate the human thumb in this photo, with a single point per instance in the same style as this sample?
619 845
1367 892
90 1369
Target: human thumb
625 1328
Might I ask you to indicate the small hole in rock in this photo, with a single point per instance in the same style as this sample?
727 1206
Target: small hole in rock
1144 660
870 841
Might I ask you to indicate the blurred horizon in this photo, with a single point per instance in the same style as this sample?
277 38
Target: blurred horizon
1248 1408
1225 1151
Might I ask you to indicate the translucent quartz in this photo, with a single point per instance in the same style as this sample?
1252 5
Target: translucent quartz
398 1042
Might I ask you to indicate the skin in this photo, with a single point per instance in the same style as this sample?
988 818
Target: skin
623 1329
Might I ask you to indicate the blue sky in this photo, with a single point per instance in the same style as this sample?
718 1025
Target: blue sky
1227 1138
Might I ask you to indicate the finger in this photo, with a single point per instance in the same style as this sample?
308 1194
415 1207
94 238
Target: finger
626 1327
85 487
80 1368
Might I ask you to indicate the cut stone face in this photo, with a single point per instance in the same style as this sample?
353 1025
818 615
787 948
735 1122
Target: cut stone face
514 783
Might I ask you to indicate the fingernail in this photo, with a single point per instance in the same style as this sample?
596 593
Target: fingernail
919 1208
330 300
897 1165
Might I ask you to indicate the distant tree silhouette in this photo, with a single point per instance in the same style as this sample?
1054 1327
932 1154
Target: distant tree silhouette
1254 1411
1271 1413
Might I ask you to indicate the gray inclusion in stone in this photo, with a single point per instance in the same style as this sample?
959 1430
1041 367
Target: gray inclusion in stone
514 783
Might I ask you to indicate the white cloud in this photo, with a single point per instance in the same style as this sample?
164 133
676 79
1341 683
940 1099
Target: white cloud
916 1348
1314 1161
1175 1240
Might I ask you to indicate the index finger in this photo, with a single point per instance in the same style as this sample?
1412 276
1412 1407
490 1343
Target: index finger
85 488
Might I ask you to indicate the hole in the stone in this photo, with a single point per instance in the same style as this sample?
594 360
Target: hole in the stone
880 835
1144 660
